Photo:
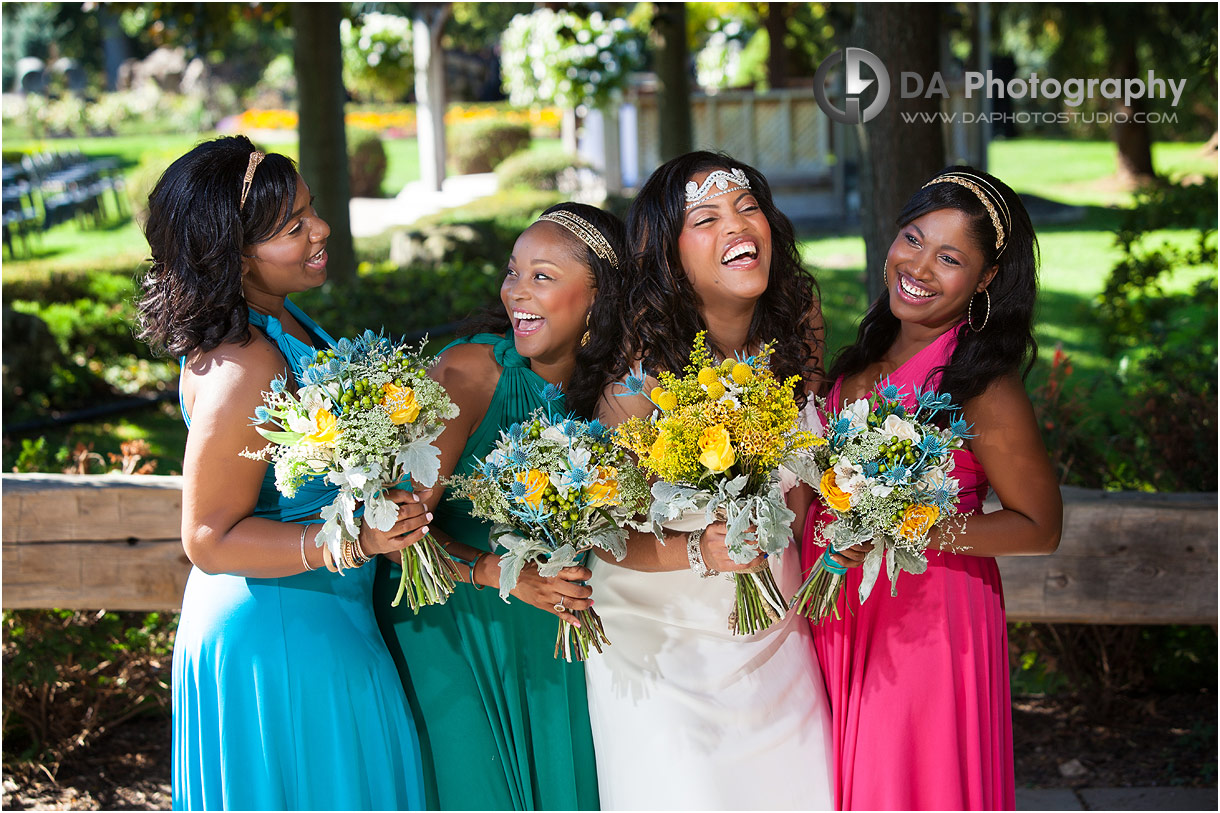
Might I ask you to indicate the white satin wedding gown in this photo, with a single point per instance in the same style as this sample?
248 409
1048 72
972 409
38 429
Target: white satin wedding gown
686 715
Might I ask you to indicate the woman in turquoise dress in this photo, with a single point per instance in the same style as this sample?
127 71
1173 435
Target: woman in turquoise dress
503 723
284 696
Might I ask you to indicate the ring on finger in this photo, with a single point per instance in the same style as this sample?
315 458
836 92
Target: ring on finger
559 608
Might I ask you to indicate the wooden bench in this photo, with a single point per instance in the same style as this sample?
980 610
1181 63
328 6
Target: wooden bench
112 541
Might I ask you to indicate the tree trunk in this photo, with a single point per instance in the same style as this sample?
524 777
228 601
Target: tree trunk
896 157
1133 138
319 73
430 92
777 60
673 79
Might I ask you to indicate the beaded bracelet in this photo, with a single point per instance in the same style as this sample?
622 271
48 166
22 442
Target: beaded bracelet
695 555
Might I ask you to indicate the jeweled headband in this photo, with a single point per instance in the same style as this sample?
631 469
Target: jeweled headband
989 197
698 193
256 158
585 232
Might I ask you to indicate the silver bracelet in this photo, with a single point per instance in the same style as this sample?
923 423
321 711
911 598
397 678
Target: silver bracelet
695 555
304 561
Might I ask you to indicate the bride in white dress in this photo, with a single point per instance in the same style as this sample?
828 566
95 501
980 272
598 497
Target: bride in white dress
685 714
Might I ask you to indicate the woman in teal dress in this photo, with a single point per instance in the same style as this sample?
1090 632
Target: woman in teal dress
504 724
284 696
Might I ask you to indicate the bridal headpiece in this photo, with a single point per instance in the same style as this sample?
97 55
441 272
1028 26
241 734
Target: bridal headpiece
698 193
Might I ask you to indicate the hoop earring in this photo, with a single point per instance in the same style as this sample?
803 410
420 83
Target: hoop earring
584 340
986 316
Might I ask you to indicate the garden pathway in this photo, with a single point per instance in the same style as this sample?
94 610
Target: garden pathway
373 216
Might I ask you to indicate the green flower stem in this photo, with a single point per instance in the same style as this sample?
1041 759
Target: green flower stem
577 643
758 603
429 572
818 597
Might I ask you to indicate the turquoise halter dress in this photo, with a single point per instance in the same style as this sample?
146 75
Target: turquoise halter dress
284 695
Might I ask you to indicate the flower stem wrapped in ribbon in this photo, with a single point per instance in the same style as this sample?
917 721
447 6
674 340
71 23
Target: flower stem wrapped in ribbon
885 478
555 488
716 443
366 416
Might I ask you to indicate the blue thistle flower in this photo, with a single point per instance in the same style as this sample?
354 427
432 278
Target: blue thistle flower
518 489
959 428
277 385
551 393
518 457
633 384
261 414
597 430
344 347
516 433
871 468
896 475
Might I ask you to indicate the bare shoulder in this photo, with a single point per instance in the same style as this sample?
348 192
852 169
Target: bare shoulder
1004 399
616 405
232 371
469 373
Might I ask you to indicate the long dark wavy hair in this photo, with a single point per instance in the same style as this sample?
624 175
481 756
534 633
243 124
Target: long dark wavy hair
1006 343
605 328
660 310
191 295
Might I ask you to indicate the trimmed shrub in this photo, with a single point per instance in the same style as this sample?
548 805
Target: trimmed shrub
480 146
538 170
367 166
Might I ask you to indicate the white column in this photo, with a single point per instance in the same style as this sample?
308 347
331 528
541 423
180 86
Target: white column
430 92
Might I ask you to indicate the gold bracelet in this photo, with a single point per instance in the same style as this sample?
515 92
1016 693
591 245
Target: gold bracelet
475 563
358 554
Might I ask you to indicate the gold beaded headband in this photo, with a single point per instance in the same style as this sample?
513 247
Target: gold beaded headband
971 182
698 193
256 158
585 232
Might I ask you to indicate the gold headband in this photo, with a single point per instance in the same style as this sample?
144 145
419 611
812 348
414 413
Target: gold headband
971 182
256 158
585 232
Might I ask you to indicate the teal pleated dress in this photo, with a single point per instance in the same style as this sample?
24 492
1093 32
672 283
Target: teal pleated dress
284 696
504 724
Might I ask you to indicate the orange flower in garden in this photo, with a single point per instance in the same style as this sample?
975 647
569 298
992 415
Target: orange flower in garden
835 497
400 403
536 483
327 431
917 520
660 446
604 492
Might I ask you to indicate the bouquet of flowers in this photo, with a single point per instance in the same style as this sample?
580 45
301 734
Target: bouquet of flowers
886 479
715 444
555 489
366 416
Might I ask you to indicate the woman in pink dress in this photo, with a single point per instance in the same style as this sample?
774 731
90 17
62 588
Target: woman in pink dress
918 683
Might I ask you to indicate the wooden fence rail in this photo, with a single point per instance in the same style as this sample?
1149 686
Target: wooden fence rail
112 541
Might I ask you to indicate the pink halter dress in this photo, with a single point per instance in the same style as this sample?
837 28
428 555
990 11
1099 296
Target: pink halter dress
921 714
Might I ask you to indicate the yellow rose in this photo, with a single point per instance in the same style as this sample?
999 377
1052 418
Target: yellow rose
660 446
663 398
327 431
400 403
604 492
707 375
535 484
916 521
742 372
835 497
717 449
